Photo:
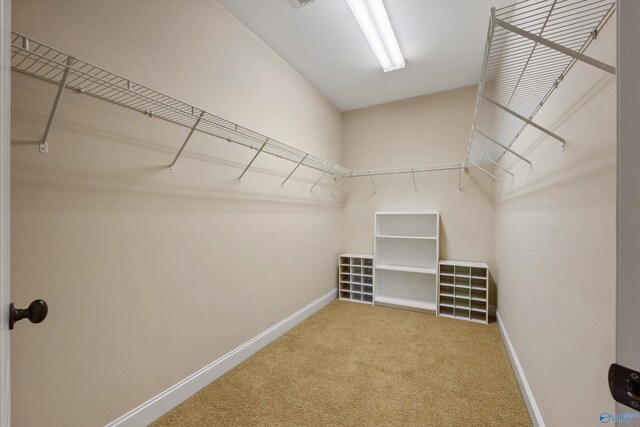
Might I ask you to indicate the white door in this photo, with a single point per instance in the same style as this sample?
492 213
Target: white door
5 153
628 306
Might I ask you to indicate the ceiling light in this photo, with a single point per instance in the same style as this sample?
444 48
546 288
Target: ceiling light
374 22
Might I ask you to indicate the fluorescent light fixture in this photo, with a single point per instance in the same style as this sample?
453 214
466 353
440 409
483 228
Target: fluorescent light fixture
374 22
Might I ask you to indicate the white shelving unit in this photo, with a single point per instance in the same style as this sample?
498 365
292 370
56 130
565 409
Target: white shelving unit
406 254
463 291
355 282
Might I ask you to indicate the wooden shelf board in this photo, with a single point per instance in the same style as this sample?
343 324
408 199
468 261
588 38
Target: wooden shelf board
389 236
406 269
405 302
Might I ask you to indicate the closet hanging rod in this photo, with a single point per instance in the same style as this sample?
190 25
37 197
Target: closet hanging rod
38 60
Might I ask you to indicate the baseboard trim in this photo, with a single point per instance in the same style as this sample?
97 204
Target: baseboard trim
154 408
529 400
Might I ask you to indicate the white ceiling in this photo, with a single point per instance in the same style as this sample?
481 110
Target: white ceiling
442 42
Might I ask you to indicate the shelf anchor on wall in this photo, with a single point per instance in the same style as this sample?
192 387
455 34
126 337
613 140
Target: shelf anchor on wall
373 184
44 146
184 144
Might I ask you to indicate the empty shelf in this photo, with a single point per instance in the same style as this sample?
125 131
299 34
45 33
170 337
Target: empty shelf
407 269
387 236
406 303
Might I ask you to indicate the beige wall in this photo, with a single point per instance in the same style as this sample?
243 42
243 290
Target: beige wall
555 247
150 275
419 131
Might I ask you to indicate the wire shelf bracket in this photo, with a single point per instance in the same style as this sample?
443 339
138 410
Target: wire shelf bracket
44 145
530 47
172 166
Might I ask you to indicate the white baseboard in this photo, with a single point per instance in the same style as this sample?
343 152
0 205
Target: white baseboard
529 400
154 408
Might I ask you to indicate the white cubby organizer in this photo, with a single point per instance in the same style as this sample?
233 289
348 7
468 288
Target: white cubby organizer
406 253
356 278
463 292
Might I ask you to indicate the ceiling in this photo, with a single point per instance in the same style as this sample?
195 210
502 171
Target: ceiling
442 42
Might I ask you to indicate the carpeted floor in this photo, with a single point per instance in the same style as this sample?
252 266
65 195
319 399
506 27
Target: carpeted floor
357 365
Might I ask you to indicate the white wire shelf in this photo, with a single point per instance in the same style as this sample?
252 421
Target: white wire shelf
36 59
531 45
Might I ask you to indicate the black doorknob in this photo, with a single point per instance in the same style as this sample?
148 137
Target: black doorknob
36 312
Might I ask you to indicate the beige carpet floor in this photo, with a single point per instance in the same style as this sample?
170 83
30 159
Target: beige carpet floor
357 365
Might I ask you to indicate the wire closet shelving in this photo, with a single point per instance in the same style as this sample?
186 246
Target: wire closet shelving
36 59
531 46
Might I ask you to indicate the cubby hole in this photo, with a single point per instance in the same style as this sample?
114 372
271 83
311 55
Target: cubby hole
446 311
479 272
345 277
447 269
480 317
356 261
344 286
344 269
367 280
356 279
367 271
479 306
444 300
345 260
446 290
462 281
479 295
367 262
462 292
356 297
367 289
367 298
356 288
479 283
461 312
345 294
462 303
462 271
447 280
356 270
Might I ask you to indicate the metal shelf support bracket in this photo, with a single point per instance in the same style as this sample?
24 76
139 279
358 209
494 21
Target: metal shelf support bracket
172 166
320 179
294 169
489 160
252 160
485 171
44 146
524 119
504 147
555 46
